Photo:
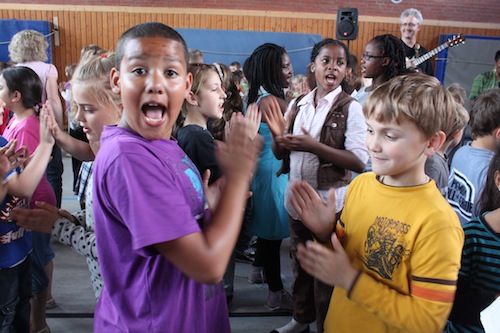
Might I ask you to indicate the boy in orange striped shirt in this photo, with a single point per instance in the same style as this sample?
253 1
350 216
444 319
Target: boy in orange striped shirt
395 253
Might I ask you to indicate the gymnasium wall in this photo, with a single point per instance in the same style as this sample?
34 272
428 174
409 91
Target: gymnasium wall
87 23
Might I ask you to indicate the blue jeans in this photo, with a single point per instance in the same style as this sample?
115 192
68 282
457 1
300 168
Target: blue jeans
42 254
15 294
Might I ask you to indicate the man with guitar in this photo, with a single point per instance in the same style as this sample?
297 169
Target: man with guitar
410 26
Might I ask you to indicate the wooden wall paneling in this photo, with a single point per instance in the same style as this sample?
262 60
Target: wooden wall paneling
69 41
117 24
216 22
67 46
330 31
283 24
96 28
204 21
77 33
288 25
132 19
231 22
113 31
155 17
244 22
222 22
88 36
267 24
105 33
143 17
79 28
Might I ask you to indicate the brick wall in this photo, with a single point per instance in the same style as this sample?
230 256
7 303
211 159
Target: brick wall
485 11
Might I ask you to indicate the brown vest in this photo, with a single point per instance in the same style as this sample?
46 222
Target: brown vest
333 135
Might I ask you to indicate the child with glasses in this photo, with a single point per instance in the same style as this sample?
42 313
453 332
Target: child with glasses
382 60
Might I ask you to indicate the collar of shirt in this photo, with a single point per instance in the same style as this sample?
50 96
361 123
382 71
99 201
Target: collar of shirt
329 99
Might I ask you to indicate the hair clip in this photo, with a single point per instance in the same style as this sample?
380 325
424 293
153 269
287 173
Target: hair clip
219 70
37 107
104 55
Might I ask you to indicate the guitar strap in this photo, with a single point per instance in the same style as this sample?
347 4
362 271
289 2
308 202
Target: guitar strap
416 47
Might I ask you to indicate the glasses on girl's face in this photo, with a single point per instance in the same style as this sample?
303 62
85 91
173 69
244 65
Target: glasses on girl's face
368 57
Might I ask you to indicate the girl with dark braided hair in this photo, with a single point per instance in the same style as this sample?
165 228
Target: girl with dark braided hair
382 60
269 71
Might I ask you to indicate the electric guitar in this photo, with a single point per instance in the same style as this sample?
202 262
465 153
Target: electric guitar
455 40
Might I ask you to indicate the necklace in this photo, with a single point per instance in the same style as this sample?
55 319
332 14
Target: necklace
427 179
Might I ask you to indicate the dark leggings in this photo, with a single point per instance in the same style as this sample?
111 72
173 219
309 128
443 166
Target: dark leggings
267 255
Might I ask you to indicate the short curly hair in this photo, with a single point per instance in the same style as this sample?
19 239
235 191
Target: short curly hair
28 45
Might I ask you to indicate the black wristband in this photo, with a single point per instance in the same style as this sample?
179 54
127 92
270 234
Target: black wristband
353 284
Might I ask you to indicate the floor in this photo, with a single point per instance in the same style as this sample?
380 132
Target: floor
75 298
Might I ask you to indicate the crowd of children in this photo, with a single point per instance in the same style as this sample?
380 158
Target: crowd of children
156 118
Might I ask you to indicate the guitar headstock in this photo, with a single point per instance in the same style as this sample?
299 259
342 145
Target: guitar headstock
455 40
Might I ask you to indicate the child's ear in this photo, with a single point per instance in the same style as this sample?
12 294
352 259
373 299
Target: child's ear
497 179
115 80
189 82
16 96
313 67
191 98
496 133
386 61
435 142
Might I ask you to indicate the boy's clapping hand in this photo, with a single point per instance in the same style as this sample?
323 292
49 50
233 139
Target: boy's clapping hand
238 155
317 216
330 266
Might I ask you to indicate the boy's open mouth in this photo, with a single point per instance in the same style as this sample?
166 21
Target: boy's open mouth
154 112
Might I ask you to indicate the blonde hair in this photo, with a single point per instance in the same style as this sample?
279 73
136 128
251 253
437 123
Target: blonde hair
456 121
94 71
201 73
417 98
91 50
27 46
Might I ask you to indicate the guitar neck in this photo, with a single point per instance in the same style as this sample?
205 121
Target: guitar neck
429 54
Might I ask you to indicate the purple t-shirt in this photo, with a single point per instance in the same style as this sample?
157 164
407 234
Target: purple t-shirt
148 192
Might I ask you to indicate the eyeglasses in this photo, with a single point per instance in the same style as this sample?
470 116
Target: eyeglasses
411 25
369 57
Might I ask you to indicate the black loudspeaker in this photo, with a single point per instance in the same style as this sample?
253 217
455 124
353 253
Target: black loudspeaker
347 23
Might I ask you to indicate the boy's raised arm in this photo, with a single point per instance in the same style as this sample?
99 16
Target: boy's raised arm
204 255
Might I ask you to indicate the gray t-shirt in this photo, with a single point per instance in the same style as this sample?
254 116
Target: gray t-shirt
436 167
467 177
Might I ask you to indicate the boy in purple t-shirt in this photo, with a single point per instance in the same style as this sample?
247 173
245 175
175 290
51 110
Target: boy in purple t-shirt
161 261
